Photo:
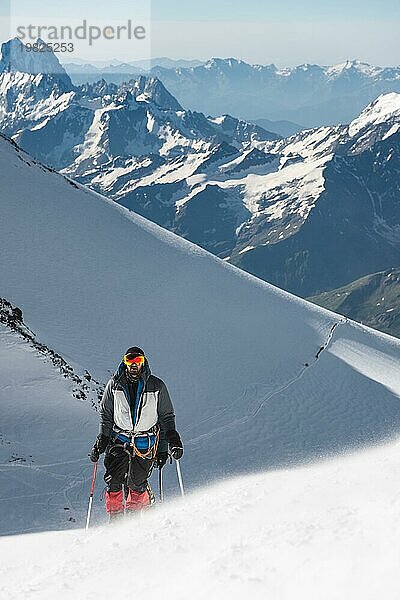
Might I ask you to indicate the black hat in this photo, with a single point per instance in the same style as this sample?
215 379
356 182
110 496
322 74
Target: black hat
135 350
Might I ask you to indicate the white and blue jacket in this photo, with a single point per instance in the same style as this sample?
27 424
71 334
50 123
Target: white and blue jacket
121 415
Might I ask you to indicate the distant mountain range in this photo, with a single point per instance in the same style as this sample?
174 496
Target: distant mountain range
311 95
116 71
308 213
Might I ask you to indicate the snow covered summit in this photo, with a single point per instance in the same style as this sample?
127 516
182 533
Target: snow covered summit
16 57
384 111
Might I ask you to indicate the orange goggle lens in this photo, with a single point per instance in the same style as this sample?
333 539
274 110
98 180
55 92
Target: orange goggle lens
133 360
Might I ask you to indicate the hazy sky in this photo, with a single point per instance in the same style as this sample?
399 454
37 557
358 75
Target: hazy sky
286 33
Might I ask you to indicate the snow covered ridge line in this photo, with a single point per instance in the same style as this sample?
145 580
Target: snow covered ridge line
29 160
87 387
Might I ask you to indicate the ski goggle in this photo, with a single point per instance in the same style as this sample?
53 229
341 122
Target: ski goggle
130 359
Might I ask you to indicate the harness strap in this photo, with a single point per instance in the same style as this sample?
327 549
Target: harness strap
151 451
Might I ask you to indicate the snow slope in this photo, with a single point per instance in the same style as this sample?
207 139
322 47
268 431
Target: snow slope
325 531
43 470
46 408
260 379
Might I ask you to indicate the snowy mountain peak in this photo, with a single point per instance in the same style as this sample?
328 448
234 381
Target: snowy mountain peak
348 64
384 110
225 63
16 58
308 68
151 89
352 66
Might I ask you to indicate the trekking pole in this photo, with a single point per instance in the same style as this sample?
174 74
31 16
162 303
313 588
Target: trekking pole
178 471
160 484
124 498
91 496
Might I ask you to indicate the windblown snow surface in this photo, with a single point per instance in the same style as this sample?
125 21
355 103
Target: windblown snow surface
264 386
326 531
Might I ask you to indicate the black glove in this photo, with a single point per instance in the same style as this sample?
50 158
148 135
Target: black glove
99 446
175 444
161 459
